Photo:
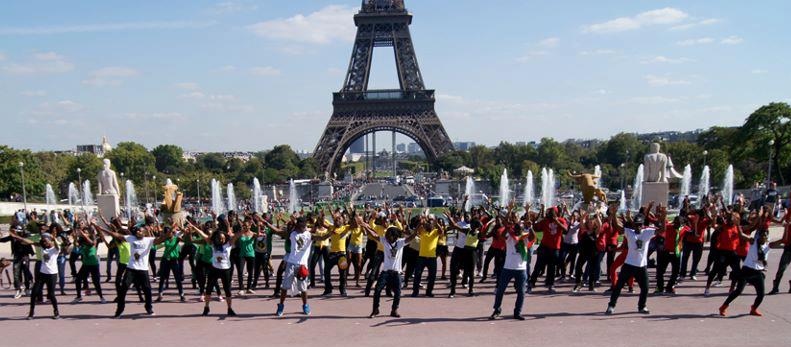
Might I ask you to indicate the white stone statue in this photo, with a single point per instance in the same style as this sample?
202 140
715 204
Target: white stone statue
108 182
658 167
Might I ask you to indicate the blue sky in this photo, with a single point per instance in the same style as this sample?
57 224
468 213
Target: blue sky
247 75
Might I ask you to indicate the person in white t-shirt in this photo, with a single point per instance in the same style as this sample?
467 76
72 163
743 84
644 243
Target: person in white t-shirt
48 271
752 272
518 242
638 236
140 243
222 241
296 272
390 275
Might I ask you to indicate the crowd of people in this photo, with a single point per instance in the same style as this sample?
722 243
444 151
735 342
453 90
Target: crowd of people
382 249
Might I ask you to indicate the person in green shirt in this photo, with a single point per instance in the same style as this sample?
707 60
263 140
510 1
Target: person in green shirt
246 257
90 263
204 258
171 262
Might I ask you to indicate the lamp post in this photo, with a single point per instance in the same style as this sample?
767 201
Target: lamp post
24 190
623 175
769 172
197 184
154 181
145 179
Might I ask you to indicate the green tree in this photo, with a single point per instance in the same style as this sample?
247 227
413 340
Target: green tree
133 160
770 124
168 159
11 182
214 162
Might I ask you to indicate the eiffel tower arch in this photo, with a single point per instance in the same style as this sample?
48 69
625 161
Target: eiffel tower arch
358 111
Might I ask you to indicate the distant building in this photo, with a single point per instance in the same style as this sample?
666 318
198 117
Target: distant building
98 150
401 148
463 146
413 148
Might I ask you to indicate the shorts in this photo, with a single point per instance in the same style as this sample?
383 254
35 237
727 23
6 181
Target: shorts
442 250
356 249
290 281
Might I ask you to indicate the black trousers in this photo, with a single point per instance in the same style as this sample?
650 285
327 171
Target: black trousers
373 274
329 264
391 280
465 264
318 253
21 268
248 264
696 250
640 275
261 264
169 265
665 258
723 260
755 278
568 255
547 258
496 254
38 287
85 271
140 279
409 261
188 251
152 261
219 275
588 254
422 263
202 276
785 259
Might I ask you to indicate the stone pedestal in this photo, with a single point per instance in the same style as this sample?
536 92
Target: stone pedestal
658 192
325 190
108 206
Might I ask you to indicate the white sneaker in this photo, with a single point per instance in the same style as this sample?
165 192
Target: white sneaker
718 284
241 293
18 294
250 292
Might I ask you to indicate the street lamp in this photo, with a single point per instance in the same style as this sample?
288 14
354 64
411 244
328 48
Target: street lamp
154 181
24 191
623 175
197 184
145 179
769 173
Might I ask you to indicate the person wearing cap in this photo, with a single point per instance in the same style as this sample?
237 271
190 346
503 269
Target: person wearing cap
638 236
295 273
48 273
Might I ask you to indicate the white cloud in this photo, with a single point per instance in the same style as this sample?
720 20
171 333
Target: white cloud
42 63
661 81
549 42
158 116
90 28
229 7
695 42
49 109
2 56
653 100
264 71
530 56
759 71
602 92
660 59
663 16
33 93
187 85
732 40
703 22
193 95
110 76
598 52
227 68
331 23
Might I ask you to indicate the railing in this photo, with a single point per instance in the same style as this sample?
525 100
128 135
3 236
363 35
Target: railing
386 94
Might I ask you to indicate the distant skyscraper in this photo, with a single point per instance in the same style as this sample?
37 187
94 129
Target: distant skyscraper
413 148
401 148
463 146
358 146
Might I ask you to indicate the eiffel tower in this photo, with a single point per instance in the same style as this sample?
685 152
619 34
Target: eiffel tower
358 111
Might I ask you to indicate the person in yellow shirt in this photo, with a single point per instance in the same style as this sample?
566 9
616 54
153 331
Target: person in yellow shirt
321 248
355 249
429 232
339 233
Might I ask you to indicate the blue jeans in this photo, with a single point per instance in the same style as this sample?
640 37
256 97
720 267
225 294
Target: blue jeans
61 271
392 280
519 277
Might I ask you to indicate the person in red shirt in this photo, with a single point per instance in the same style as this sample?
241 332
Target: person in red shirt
699 222
591 249
496 251
728 232
670 251
785 259
553 227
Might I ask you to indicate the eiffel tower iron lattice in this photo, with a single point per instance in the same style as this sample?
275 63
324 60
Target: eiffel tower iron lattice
358 111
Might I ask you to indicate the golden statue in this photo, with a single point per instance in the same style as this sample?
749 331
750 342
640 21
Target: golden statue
589 187
172 201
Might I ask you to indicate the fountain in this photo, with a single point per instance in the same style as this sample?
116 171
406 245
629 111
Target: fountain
686 183
292 196
257 196
505 192
130 199
74 194
231 198
469 190
87 198
637 189
727 186
704 185
597 173
529 188
547 187
52 200
622 206
217 205
552 188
